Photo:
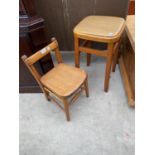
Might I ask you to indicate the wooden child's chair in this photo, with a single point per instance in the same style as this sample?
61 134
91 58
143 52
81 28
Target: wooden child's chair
61 83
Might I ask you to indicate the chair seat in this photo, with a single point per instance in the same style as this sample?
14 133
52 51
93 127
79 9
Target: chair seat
63 79
100 26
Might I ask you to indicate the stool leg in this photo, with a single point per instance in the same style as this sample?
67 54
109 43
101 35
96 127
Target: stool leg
66 108
88 55
108 67
77 52
88 59
115 56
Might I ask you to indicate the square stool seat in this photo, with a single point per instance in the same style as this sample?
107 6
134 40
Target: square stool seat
103 29
100 27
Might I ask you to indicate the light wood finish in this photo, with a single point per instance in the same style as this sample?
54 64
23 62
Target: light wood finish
46 50
127 60
86 88
130 29
116 54
108 67
77 52
63 80
102 53
60 83
88 54
100 28
103 29
66 108
126 81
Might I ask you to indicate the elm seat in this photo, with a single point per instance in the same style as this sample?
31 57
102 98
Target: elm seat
100 26
64 79
63 84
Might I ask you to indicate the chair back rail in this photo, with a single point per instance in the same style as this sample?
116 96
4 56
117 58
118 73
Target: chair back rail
43 52
30 61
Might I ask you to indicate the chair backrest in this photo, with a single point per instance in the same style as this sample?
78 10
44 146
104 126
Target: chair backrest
30 61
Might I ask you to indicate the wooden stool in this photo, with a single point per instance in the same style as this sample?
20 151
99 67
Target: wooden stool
103 29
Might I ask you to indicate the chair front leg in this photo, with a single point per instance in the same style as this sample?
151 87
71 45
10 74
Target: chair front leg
86 87
46 93
66 108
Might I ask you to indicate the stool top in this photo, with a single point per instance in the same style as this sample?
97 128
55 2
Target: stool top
106 27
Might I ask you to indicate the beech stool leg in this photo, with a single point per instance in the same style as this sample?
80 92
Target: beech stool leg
66 108
86 87
88 55
108 67
115 56
77 52
88 59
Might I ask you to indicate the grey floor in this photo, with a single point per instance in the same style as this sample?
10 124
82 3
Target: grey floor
102 124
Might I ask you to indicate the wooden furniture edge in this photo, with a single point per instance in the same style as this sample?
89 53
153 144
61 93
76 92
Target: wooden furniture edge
100 38
127 87
130 37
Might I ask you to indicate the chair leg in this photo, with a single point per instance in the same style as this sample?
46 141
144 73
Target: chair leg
46 94
86 87
108 68
77 52
66 108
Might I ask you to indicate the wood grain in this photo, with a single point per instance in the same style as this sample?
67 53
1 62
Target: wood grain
130 29
61 82
103 29
63 79
127 85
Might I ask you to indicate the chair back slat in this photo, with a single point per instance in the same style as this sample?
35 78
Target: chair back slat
41 53
58 55
30 61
